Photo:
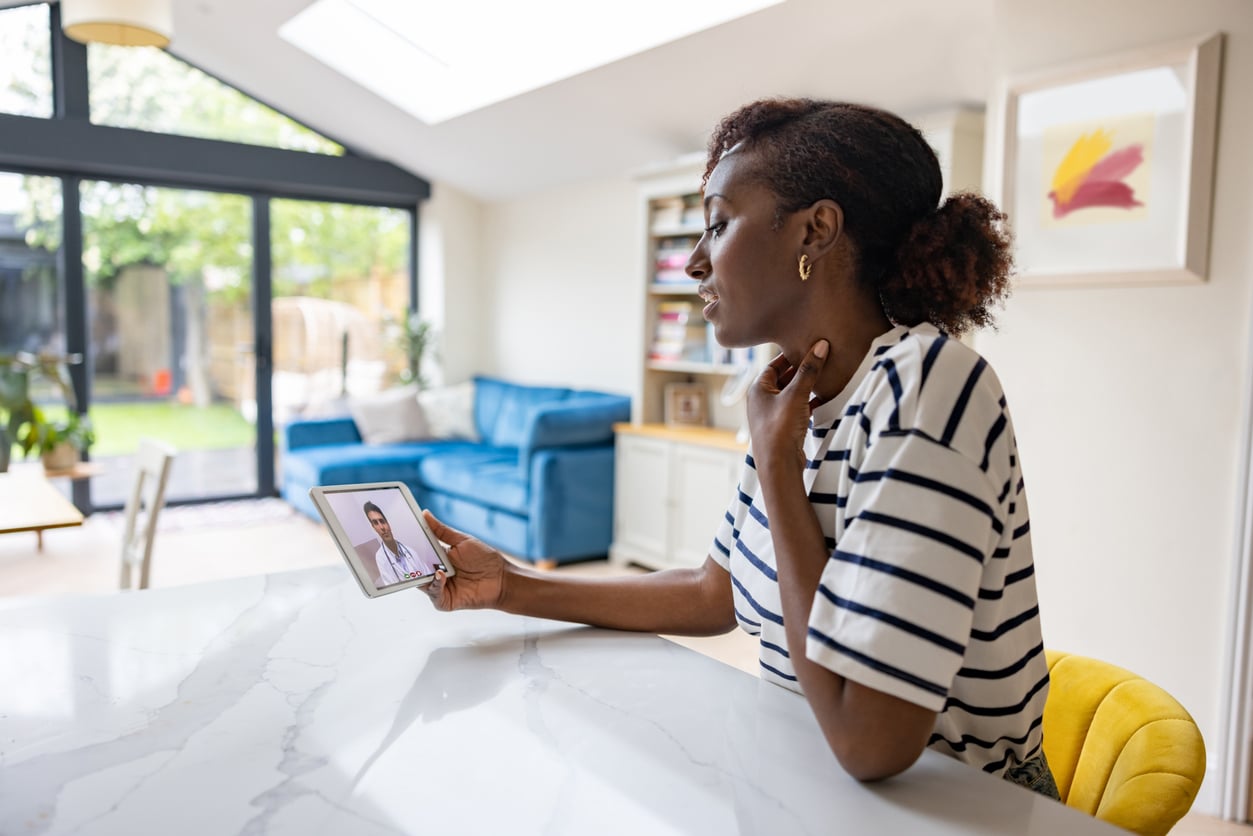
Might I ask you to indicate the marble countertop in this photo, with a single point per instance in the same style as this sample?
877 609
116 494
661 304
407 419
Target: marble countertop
291 704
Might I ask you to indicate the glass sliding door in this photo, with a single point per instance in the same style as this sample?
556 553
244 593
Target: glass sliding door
162 310
340 300
170 349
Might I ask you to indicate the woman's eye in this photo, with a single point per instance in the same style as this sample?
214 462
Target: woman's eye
714 230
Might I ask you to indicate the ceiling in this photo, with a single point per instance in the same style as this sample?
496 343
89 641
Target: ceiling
911 56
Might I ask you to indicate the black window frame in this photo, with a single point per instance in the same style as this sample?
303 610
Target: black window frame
70 147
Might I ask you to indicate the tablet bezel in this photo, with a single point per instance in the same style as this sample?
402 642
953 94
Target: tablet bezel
346 547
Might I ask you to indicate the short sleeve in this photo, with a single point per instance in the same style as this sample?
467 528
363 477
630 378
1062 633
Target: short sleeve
732 521
896 600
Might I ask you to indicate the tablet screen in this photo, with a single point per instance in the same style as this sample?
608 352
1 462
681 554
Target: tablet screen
381 527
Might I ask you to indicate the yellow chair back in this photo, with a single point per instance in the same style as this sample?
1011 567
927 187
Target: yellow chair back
1121 748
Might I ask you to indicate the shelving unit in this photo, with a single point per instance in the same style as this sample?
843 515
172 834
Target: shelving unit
673 483
678 344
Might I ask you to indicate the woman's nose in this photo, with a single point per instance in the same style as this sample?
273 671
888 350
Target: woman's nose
697 266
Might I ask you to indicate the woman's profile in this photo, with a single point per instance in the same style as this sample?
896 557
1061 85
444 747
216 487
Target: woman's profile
878 544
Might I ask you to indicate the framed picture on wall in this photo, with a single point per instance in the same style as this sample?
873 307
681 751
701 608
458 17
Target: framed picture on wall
1106 168
686 405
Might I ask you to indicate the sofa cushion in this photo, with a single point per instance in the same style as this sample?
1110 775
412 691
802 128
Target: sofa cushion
389 416
344 464
449 411
503 410
487 475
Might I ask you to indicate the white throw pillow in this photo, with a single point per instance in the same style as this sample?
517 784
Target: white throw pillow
449 411
389 416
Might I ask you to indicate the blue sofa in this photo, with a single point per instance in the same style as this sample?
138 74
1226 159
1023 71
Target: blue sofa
537 483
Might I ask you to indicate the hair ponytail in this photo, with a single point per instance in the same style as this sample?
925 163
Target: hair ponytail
952 267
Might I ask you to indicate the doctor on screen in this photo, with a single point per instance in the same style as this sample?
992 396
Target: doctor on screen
395 561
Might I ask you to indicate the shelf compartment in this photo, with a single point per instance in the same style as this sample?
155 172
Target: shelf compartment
693 367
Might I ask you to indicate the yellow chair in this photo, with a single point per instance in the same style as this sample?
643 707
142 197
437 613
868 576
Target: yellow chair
1121 748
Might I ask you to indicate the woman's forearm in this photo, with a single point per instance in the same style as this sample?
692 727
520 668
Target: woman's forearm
695 602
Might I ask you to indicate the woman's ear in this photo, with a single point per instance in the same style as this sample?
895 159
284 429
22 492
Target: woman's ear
824 226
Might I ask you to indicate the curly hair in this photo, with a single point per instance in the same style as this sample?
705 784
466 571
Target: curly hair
948 265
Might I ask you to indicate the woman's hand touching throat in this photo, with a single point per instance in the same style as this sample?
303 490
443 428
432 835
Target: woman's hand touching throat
778 411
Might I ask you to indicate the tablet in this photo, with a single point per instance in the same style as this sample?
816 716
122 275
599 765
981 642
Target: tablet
379 530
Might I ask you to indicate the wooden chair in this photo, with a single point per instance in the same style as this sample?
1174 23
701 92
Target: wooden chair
147 497
1121 748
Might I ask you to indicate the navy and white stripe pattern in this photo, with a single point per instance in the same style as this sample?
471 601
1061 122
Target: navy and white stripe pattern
929 593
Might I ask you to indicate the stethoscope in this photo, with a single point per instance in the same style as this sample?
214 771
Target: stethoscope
401 551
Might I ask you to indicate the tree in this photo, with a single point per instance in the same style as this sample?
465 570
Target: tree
201 239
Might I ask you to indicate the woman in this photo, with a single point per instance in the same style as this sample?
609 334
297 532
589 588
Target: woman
879 542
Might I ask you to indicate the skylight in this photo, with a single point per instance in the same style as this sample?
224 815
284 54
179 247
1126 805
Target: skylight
438 59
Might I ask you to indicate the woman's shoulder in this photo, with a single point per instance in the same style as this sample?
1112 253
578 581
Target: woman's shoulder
925 357
939 385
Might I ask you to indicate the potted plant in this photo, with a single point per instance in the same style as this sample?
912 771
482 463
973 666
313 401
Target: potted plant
416 336
24 424
61 442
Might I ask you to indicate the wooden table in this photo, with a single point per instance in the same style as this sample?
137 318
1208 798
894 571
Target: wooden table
29 502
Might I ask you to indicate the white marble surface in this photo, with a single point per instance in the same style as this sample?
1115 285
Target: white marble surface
291 704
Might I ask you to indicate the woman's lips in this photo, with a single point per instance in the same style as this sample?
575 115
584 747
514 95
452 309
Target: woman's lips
710 298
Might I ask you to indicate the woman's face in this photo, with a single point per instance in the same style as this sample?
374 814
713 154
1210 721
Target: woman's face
746 268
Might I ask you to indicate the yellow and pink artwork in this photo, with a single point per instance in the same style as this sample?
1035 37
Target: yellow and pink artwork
1097 172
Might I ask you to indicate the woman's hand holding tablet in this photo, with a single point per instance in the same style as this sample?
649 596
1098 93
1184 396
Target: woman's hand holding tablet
382 536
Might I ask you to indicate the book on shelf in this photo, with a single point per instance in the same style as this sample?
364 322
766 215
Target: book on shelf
693 210
670 260
673 275
720 356
669 213
679 334
666 213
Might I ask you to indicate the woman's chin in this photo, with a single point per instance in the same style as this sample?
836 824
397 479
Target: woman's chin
727 339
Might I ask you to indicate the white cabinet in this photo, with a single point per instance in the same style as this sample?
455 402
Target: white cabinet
672 488
641 498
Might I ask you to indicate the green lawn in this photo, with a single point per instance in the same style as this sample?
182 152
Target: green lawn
119 426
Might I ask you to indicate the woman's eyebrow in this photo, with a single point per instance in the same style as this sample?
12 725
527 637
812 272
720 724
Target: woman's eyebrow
712 195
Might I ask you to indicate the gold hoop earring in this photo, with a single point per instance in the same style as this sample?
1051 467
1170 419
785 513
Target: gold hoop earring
804 267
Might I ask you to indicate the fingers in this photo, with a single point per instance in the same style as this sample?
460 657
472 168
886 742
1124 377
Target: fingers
781 373
769 376
451 536
435 589
809 368
779 364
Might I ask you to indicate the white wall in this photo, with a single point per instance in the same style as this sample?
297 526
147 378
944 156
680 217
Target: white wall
452 282
1129 403
563 291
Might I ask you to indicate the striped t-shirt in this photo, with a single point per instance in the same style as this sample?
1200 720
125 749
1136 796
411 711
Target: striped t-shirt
929 593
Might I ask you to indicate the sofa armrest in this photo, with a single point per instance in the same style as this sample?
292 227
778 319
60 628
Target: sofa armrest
571 506
314 432
573 423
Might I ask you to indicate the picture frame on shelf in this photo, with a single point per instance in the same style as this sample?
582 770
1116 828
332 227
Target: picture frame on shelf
686 405
1106 168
